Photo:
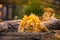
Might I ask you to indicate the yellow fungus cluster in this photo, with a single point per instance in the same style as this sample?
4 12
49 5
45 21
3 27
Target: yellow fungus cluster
48 14
31 24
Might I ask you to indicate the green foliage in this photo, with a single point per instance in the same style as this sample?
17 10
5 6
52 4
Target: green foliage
20 2
34 7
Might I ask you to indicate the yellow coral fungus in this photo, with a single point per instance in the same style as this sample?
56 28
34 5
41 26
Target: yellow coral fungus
32 24
25 17
48 14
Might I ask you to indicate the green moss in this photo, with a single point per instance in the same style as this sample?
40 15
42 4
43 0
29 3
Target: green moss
58 16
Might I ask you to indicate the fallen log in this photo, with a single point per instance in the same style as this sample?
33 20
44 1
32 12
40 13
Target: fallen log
9 25
29 36
14 24
3 26
52 24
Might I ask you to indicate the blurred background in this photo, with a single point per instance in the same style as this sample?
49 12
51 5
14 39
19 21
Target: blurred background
15 9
